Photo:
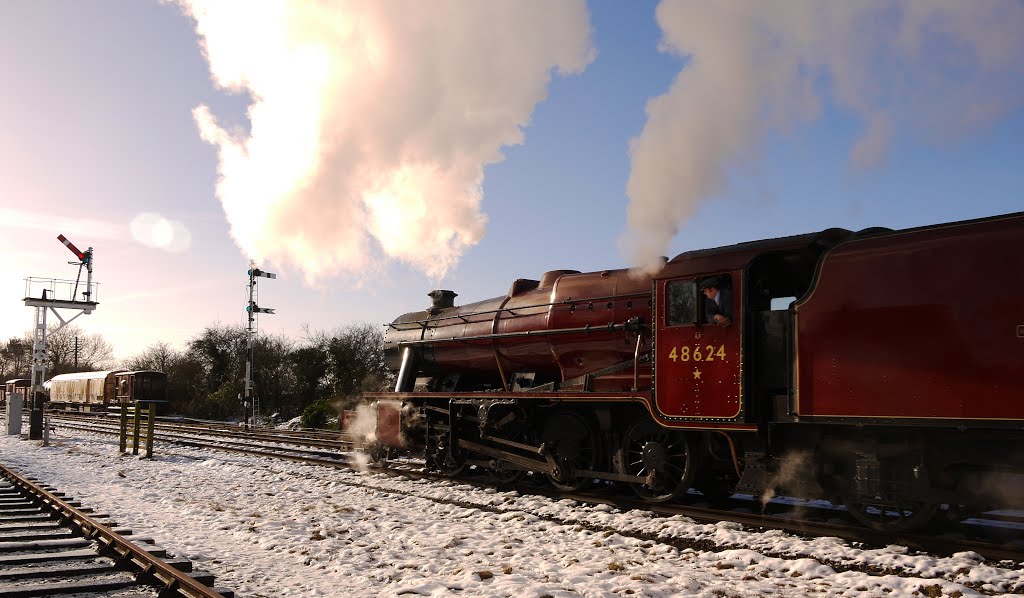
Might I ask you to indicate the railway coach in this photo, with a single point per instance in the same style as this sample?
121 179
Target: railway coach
91 391
880 369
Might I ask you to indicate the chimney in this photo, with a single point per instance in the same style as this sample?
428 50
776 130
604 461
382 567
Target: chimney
441 300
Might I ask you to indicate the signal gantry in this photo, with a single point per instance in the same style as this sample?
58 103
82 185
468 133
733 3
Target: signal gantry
51 294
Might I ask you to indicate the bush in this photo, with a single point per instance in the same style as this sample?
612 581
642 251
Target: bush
319 414
222 404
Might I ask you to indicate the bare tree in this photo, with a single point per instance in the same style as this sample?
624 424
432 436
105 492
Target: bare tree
160 356
15 359
70 345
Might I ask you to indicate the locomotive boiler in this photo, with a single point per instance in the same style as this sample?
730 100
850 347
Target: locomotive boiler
551 330
880 369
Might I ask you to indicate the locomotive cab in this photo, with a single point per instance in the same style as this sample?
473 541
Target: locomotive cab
698 363
740 372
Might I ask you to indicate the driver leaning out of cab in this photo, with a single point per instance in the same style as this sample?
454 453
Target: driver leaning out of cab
717 301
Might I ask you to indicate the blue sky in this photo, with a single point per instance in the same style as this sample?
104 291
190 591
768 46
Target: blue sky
97 127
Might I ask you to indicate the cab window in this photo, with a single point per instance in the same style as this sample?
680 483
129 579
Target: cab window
681 302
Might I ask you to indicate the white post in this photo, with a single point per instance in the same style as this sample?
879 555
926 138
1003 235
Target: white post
35 416
248 346
14 407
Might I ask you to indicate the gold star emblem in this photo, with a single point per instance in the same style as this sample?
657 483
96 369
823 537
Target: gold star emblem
696 374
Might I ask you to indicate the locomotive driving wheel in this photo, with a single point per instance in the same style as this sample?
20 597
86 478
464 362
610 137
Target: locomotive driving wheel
574 440
500 474
662 457
441 457
504 472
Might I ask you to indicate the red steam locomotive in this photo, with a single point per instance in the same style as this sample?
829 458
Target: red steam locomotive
879 369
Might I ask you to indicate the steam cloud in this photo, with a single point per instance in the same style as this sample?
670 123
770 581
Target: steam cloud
931 70
372 121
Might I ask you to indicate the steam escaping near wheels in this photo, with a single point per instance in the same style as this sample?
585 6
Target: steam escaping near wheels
361 424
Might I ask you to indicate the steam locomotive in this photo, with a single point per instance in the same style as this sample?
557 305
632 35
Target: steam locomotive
880 369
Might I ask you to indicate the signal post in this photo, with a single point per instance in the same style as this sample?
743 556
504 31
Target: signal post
250 403
51 294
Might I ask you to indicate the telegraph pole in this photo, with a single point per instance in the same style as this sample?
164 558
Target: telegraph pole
250 403
51 294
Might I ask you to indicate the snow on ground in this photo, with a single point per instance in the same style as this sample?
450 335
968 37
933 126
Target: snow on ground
275 528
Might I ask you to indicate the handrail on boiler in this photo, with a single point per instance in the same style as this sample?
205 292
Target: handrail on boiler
611 327
566 301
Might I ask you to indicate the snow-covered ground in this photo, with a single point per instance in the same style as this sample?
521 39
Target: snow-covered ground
274 528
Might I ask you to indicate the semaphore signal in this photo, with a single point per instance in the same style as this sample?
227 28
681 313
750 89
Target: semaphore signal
251 402
85 260
71 246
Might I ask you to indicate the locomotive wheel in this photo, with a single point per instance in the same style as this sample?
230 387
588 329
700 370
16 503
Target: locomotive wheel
575 443
716 480
440 457
648 448
448 464
716 489
500 475
376 454
890 516
518 431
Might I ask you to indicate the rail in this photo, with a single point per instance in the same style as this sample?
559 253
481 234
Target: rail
174 582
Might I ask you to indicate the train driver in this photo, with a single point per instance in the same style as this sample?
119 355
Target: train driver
717 301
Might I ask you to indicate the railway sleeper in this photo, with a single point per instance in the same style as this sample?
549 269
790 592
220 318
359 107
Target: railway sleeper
38 558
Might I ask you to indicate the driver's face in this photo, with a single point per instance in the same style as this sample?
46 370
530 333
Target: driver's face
710 292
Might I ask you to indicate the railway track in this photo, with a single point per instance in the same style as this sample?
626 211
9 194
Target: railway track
242 442
325 439
49 546
995 537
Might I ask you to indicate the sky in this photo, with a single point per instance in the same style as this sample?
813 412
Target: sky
370 152
265 527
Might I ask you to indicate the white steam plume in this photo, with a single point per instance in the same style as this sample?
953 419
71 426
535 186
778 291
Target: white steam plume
372 121
932 70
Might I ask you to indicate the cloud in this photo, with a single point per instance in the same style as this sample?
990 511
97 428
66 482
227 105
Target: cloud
84 230
372 122
153 230
932 71
164 292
